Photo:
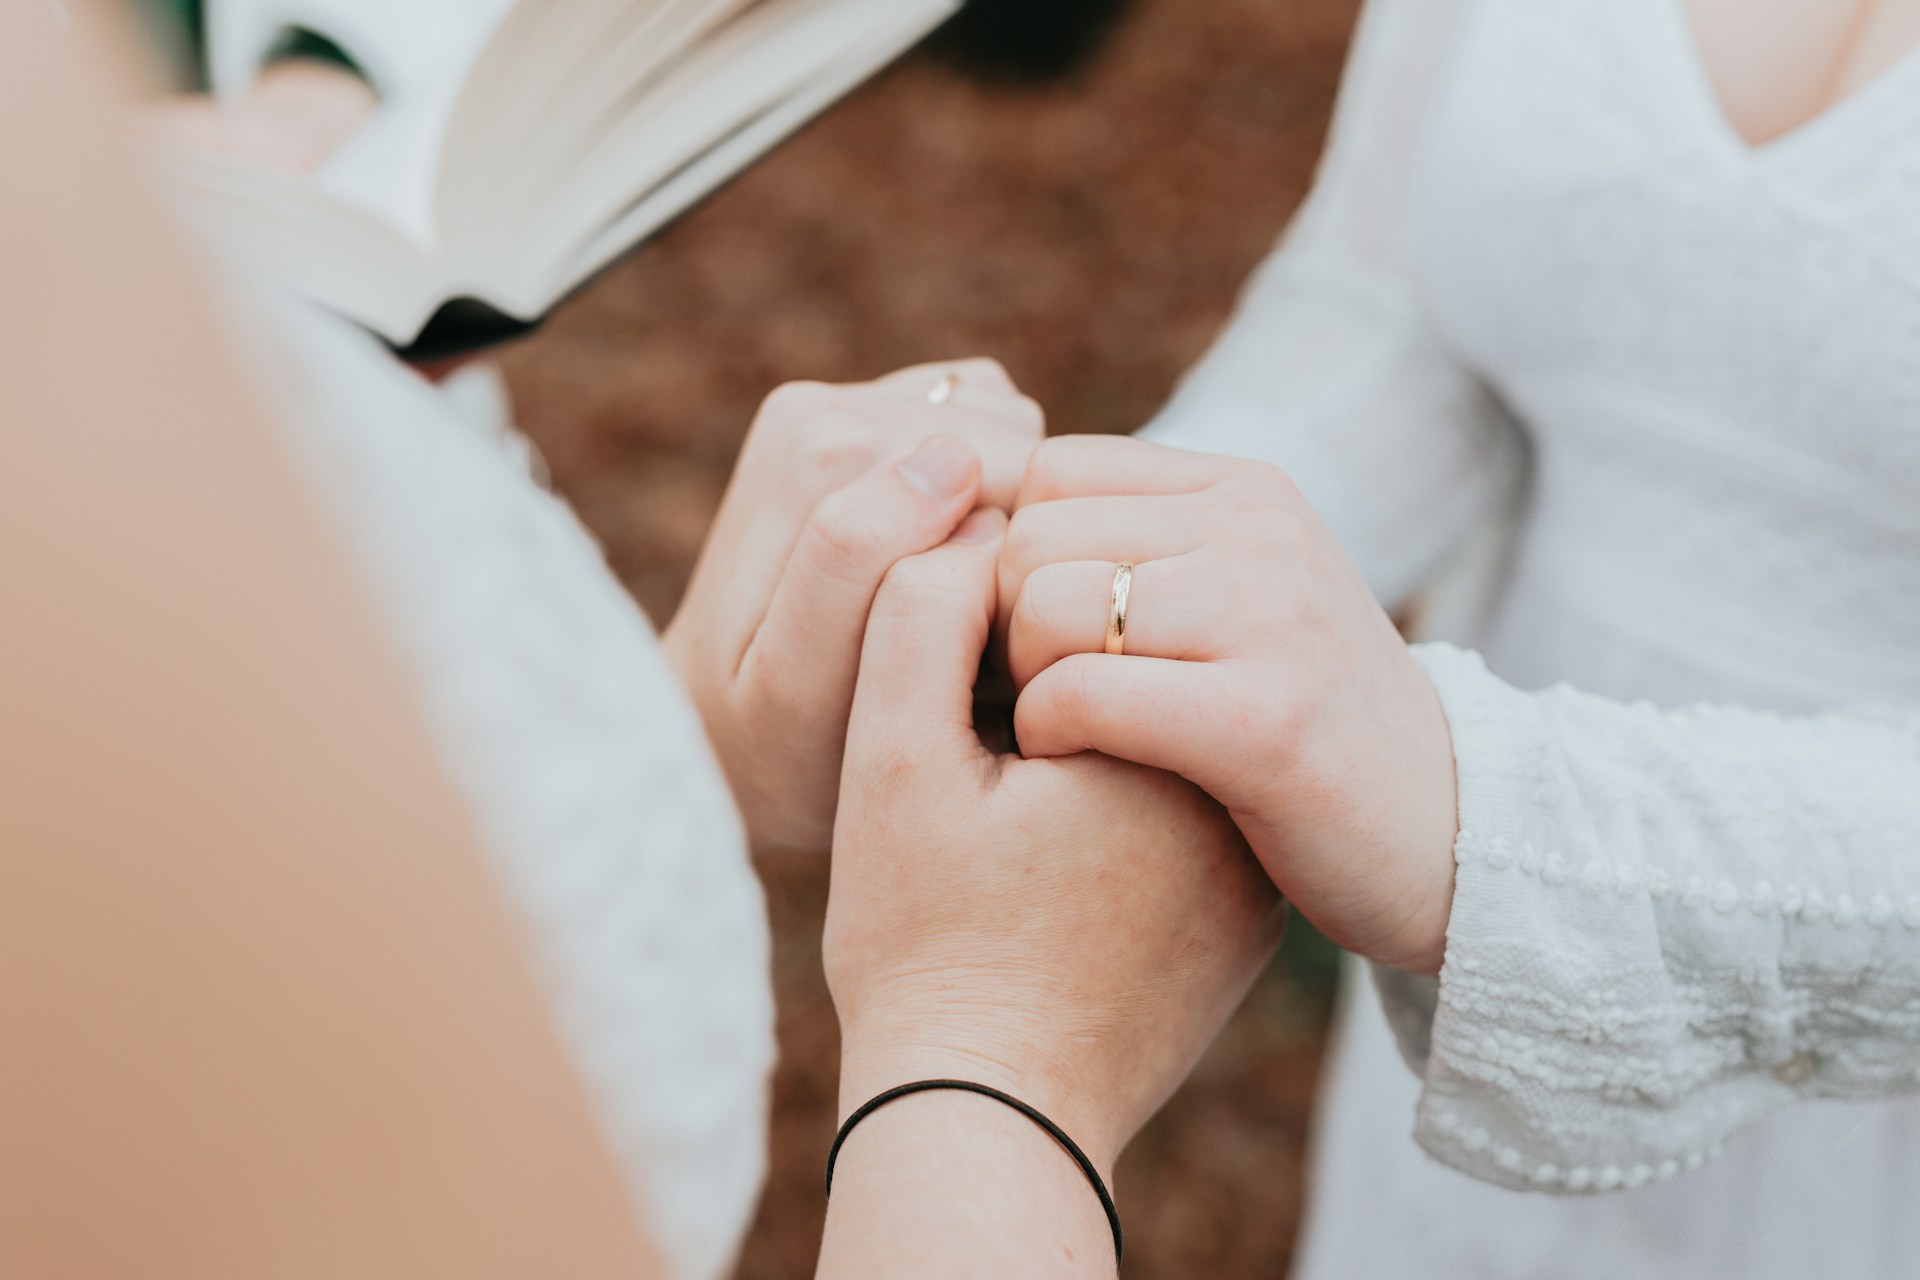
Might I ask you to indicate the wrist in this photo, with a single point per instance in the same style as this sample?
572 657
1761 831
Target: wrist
946 1184
1418 942
877 1058
1439 831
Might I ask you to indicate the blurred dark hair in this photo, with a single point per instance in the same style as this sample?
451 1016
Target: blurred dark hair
1025 40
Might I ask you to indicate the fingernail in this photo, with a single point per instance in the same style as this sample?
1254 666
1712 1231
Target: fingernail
939 468
983 525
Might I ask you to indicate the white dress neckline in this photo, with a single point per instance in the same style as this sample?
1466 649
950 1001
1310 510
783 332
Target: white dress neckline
1675 46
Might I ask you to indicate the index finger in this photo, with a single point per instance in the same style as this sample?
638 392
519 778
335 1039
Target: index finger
1114 466
925 637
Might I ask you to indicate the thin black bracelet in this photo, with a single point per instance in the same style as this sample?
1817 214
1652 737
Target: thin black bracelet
1054 1131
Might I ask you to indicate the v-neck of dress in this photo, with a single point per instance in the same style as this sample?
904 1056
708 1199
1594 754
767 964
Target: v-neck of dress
1822 131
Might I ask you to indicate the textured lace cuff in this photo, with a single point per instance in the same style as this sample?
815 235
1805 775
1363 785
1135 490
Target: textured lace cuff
1565 1055
1666 924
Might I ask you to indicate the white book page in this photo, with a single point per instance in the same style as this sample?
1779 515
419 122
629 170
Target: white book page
736 76
276 223
910 20
416 54
524 121
365 239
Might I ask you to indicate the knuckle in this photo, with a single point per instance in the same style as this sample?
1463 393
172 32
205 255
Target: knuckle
984 369
1026 535
795 403
1309 612
914 576
814 416
1268 481
1027 414
1039 603
1069 692
849 531
1026 622
1017 414
1048 467
1050 455
774 699
998 450
1282 726
1282 524
867 398
833 447
918 586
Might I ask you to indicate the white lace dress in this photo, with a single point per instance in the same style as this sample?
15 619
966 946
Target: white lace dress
583 765
1544 288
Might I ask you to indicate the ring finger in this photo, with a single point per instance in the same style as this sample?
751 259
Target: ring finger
1064 609
1134 529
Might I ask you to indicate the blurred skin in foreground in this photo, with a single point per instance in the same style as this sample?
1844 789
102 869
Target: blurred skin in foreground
265 1015
296 113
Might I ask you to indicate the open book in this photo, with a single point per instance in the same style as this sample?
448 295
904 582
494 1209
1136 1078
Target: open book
521 145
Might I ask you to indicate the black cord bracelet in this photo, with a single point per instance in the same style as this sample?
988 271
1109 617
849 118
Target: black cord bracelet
1054 1131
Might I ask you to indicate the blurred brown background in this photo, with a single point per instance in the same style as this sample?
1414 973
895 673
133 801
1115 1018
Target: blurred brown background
1090 232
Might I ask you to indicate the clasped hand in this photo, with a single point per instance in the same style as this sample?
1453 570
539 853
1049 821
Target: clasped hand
1073 922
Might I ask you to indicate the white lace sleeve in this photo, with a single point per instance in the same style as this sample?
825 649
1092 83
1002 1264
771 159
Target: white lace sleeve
1666 925
1330 368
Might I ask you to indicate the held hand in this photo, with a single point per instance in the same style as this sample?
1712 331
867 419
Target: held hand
833 486
1256 664
1070 931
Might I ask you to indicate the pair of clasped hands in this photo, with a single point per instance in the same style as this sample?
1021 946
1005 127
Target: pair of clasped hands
1072 920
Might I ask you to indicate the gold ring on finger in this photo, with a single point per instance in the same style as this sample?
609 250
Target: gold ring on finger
1117 610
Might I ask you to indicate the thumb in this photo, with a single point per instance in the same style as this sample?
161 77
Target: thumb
924 640
818 612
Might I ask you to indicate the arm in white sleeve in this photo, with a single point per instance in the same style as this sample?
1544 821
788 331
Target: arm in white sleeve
1331 368
1666 925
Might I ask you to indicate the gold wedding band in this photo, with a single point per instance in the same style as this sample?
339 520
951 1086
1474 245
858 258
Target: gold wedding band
1117 611
943 390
